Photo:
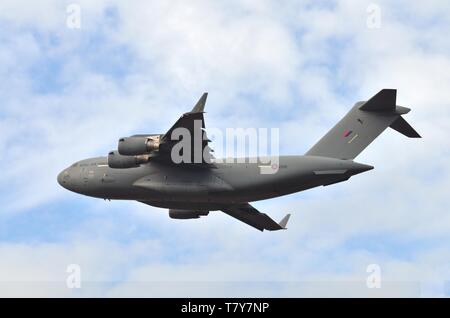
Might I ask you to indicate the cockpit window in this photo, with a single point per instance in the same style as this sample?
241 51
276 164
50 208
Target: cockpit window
75 165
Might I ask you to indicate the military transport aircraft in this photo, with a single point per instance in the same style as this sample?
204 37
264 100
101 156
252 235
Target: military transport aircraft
144 168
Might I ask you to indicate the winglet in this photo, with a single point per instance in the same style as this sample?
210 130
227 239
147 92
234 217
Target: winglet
200 106
284 222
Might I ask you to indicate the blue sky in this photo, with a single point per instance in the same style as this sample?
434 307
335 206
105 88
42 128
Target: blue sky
68 94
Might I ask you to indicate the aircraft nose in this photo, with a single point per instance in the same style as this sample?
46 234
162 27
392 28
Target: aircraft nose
63 178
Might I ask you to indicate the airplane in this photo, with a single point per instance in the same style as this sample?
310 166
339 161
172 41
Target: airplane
143 166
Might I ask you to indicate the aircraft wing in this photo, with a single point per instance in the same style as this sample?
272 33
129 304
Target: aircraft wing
193 123
249 215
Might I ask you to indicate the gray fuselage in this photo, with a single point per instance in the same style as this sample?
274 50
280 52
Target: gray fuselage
207 187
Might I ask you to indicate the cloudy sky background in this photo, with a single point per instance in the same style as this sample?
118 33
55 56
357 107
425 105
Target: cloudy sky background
135 66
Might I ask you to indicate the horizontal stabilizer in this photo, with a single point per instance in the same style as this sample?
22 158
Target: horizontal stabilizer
402 126
384 100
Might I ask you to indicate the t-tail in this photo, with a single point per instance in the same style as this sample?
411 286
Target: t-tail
362 124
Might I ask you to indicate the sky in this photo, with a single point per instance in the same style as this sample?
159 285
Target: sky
69 93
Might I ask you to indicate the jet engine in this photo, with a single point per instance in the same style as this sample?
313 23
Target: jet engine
118 161
138 145
186 214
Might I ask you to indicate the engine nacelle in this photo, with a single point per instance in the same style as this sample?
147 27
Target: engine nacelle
186 214
118 161
138 145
